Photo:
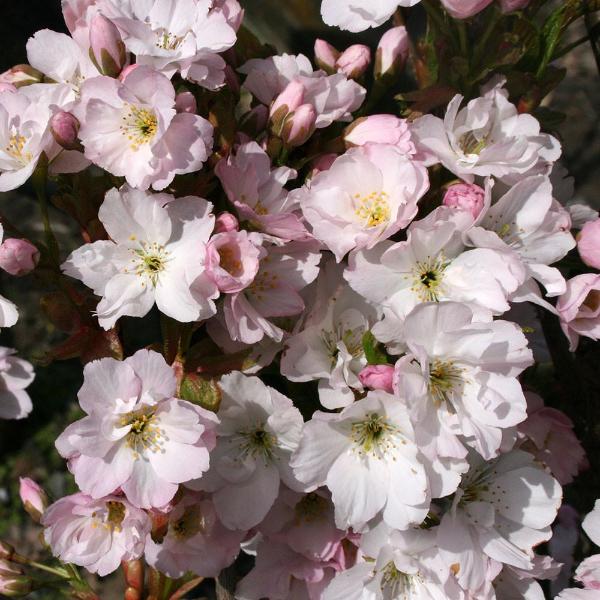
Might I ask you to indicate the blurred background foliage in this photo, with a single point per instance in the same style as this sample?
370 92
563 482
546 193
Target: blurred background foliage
27 447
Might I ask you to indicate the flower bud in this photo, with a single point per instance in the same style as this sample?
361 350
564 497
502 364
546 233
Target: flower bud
326 56
21 75
18 257
255 121
33 497
6 550
354 61
107 49
378 377
464 9
392 52
185 102
299 125
508 6
226 222
64 127
588 244
13 582
465 196
287 102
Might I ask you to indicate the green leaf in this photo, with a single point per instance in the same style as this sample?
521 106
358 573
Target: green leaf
202 392
374 351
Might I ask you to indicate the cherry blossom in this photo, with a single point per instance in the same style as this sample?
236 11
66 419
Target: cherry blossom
16 374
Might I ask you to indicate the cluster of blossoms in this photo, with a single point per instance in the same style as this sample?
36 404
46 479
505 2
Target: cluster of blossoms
339 390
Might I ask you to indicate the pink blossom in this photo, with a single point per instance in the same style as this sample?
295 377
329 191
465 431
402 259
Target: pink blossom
366 196
132 130
136 435
95 534
378 377
107 49
18 257
299 126
21 75
588 573
64 127
579 308
392 52
195 540
33 497
226 222
463 9
465 196
15 375
380 129
285 103
258 192
588 243
354 61
550 438
326 56
233 259
358 15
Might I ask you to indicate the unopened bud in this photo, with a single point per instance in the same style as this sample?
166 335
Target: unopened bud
65 130
465 196
185 102
21 75
226 222
13 582
107 49
354 61
378 377
18 257
326 56
392 52
33 497
287 102
299 125
6 551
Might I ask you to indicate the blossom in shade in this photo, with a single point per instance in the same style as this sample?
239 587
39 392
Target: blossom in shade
358 15
502 510
548 434
588 243
367 195
258 193
136 435
259 430
392 52
13 581
591 524
157 254
329 347
195 540
463 9
15 375
175 36
380 129
95 534
367 456
8 311
579 308
33 497
486 137
252 314
131 129
334 97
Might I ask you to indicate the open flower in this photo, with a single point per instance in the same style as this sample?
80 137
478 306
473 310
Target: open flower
95 534
156 254
132 130
579 308
176 36
367 456
358 15
136 435
8 311
367 195
259 430
15 375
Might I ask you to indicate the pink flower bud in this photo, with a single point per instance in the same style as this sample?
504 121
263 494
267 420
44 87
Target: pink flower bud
299 125
185 102
127 71
33 497
508 6
21 75
392 52
288 101
354 61
380 129
326 56
65 129
226 222
18 257
588 244
13 582
378 377
463 9
465 196
107 49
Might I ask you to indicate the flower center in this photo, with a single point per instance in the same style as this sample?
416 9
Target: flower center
149 261
189 524
351 338
144 432
111 518
139 126
311 508
470 144
16 146
395 582
444 378
168 41
256 442
260 209
373 209
428 278
592 300
229 261
374 436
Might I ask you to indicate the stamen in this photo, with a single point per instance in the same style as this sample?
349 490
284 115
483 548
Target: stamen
144 433
139 126
375 436
373 209
428 278
444 378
